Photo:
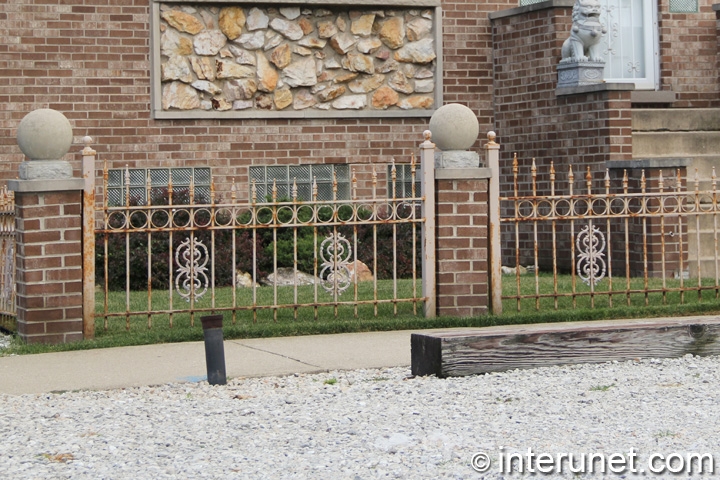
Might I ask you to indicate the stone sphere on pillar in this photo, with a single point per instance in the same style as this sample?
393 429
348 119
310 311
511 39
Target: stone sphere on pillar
454 127
44 134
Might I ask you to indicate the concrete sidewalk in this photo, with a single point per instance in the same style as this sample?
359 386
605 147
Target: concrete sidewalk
109 368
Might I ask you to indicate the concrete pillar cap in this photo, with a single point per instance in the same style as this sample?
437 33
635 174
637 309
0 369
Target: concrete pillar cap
454 127
44 134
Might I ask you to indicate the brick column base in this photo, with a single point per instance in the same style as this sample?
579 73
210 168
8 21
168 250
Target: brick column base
49 260
461 201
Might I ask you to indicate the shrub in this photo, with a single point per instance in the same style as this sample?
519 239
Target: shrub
220 248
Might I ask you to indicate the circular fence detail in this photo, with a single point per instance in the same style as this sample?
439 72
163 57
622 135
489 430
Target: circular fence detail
159 219
590 245
223 217
202 217
180 217
191 258
335 252
365 212
305 214
117 221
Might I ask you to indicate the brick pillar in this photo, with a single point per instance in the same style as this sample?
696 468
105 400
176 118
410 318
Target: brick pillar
461 197
49 259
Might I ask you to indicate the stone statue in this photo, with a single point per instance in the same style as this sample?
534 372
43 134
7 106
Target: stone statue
584 42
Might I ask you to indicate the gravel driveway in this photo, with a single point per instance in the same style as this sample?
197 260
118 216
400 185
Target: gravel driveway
368 424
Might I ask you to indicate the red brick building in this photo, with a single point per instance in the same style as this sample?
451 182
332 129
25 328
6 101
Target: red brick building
92 60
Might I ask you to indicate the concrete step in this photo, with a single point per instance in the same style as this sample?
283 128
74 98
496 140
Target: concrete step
676 119
675 144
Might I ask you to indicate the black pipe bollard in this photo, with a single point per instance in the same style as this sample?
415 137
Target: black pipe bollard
214 349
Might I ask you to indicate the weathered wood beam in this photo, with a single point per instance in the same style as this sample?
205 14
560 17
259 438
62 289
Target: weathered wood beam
470 351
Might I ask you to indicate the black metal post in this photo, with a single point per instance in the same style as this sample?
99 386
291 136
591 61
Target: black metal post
214 349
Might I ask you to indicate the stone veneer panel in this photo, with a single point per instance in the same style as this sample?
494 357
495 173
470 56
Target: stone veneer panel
235 60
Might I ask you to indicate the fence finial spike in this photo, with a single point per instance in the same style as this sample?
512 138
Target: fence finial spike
294 190
127 185
588 180
354 183
642 181
714 179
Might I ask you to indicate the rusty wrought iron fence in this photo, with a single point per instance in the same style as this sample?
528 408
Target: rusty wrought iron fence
179 251
7 258
631 241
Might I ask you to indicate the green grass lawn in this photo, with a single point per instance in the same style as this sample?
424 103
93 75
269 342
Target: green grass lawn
608 293
401 315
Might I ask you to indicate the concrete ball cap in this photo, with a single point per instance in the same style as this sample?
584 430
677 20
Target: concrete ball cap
44 134
454 127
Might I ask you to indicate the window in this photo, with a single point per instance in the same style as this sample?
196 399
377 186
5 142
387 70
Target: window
631 42
284 176
153 183
683 6
403 181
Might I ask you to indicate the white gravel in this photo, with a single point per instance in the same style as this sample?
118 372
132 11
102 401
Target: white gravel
368 424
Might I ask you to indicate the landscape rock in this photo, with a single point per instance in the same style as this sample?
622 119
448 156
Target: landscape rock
285 276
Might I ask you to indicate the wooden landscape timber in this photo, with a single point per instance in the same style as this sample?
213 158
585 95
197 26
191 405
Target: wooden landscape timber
470 351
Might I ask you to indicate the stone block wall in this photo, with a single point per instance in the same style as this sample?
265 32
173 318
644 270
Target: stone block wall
294 61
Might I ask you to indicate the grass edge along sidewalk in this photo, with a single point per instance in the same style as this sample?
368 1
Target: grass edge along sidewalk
343 325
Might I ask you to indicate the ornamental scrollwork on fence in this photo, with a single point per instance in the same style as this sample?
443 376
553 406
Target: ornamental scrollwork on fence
335 254
192 280
591 267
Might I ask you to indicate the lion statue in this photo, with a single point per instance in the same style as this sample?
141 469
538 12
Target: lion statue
584 42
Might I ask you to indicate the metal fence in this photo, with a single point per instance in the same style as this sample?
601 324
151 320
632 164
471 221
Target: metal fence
633 241
178 253
7 258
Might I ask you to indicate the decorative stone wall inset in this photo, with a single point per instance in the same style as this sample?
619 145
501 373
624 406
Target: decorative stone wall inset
248 61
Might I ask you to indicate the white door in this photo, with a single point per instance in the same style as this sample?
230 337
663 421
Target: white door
631 43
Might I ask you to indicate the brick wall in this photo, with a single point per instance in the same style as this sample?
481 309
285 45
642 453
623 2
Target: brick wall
689 55
91 62
462 244
49 266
